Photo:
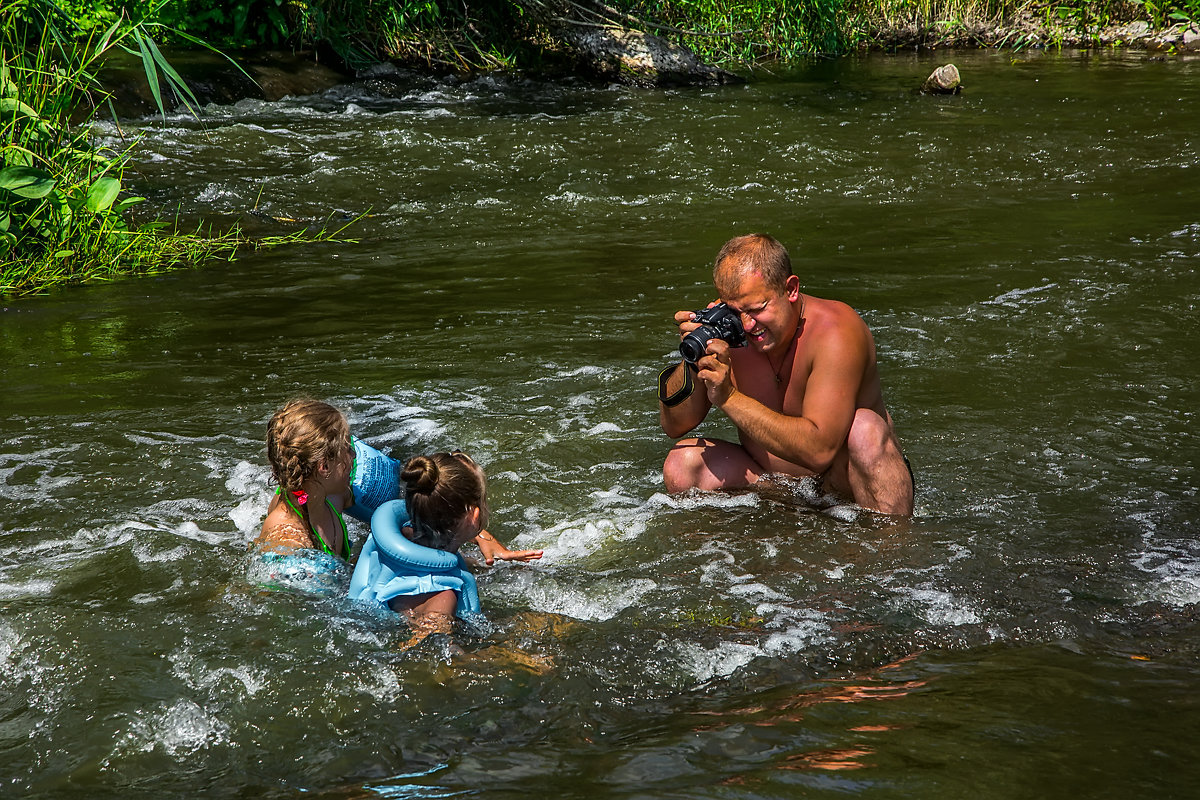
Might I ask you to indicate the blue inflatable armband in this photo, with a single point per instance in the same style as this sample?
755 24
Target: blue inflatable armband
374 478
390 565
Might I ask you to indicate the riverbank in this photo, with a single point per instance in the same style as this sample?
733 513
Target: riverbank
1031 31
271 75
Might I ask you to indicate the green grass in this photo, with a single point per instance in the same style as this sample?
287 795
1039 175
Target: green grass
64 202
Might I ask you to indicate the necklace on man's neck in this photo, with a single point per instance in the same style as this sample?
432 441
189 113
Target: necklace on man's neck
795 338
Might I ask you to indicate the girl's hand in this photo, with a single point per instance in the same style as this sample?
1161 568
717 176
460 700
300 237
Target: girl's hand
492 549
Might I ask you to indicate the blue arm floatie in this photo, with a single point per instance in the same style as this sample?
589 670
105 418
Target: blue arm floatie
375 479
391 566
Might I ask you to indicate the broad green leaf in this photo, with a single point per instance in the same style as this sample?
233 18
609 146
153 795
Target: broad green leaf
64 253
18 157
102 193
26 181
5 221
13 104
127 203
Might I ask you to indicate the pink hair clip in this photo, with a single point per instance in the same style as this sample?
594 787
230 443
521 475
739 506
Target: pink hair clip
301 497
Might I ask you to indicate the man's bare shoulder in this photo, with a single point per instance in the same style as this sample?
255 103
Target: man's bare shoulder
833 320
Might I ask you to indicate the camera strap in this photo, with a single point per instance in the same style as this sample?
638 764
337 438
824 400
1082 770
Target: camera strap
684 392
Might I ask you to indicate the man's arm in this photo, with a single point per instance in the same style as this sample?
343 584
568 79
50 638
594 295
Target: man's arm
689 410
814 438
678 419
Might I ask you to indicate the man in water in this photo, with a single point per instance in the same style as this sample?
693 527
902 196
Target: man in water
804 395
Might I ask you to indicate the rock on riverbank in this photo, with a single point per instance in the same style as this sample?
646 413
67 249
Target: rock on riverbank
1029 31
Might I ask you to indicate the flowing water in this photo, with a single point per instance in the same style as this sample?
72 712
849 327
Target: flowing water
1025 253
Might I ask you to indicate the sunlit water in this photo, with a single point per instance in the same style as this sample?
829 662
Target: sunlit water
1025 253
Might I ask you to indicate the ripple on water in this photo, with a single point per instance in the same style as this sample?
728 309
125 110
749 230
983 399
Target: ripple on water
178 729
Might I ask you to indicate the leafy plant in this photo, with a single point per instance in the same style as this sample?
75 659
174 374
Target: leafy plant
62 214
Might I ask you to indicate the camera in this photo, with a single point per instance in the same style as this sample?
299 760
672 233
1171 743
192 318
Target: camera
718 322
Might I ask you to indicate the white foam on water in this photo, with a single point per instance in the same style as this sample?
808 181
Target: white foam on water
803 629
248 515
245 478
1172 568
718 662
573 539
423 428
696 499
755 591
377 681
606 427
213 192
37 587
46 461
196 675
190 530
615 496
20 663
180 729
597 600
147 554
935 606
1018 296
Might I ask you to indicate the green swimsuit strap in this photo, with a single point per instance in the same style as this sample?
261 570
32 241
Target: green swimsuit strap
345 532
320 541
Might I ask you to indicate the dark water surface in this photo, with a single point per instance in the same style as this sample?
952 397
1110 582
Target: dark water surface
1026 254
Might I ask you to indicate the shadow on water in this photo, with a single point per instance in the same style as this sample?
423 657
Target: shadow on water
1024 253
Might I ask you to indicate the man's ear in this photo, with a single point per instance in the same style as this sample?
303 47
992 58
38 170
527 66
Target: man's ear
791 287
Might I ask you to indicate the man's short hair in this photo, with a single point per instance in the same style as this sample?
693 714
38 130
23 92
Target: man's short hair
755 252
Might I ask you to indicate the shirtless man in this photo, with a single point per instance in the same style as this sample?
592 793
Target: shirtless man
804 394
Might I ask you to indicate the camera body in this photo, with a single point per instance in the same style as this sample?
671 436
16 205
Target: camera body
718 322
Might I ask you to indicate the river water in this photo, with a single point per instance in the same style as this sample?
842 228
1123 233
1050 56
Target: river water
1025 253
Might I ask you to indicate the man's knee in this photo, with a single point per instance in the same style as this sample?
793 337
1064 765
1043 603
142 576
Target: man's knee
708 464
870 438
684 466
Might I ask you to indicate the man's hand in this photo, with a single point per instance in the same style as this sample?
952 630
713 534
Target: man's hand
687 320
716 372
492 549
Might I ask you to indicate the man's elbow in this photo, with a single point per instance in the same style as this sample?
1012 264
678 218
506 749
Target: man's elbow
818 461
674 428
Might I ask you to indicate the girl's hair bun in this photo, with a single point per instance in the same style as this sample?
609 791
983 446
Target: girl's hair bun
421 474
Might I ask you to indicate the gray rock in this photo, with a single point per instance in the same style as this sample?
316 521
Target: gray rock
943 80
642 59
1191 39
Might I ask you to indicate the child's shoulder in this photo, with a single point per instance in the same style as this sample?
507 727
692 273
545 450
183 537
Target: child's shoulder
282 531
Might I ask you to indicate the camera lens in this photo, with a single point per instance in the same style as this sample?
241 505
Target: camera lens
695 344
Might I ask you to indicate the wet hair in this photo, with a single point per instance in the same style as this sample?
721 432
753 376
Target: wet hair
442 489
301 435
755 252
